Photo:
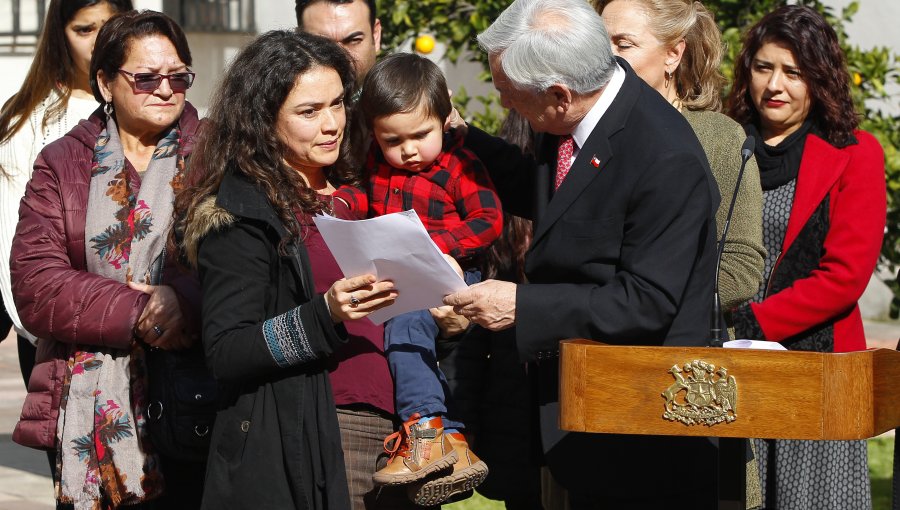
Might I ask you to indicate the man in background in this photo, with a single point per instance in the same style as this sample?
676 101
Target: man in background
350 23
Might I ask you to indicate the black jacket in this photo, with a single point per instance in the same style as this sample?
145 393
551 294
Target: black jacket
494 395
623 253
276 442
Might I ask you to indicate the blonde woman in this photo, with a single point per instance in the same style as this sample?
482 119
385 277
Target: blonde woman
675 46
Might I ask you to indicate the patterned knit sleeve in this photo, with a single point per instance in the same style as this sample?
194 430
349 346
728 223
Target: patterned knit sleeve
243 339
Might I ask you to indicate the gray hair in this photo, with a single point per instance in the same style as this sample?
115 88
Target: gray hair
545 42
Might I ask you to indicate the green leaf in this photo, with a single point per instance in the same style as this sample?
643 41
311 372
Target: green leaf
848 12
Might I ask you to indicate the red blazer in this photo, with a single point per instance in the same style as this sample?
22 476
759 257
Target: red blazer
852 181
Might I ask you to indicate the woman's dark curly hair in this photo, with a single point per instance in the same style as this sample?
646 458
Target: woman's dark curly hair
240 132
823 68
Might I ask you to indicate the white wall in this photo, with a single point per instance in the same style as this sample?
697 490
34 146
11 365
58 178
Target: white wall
153 5
211 54
275 14
875 25
14 71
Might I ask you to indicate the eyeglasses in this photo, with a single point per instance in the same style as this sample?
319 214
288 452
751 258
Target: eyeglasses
148 82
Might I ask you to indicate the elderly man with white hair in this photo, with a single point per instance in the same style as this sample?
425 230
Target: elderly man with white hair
623 250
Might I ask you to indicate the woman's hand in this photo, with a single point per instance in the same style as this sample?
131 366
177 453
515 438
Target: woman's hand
161 324
354 298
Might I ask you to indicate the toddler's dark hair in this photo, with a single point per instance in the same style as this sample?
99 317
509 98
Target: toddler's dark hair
399 83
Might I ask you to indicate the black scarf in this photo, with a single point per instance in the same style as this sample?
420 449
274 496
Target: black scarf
780 164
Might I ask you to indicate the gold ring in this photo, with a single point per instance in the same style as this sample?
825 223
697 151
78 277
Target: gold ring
353 301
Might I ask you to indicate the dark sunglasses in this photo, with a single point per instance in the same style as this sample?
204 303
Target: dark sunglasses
148 82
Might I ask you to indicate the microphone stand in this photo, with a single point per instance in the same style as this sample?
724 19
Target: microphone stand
732 453
715 330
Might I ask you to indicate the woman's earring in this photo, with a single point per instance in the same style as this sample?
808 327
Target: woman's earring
668 76
108 108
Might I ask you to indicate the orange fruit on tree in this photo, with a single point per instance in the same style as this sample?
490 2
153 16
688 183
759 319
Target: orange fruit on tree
425 44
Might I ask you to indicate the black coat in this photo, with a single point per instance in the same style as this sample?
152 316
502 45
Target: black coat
622 253
494 395
276 442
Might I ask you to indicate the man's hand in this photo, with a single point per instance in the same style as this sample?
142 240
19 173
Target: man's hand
455 121
490 304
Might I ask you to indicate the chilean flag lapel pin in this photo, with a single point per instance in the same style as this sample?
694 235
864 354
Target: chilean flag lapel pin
595 161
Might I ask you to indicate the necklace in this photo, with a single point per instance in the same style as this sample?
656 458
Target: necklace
327 202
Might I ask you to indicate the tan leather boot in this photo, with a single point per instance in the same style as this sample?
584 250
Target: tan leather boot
419 449
468 472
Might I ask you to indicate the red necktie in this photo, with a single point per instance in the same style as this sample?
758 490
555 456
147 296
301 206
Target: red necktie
564 158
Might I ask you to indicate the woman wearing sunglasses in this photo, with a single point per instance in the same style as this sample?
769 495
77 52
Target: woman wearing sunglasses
91 276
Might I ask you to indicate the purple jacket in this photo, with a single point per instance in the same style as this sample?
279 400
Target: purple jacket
58 300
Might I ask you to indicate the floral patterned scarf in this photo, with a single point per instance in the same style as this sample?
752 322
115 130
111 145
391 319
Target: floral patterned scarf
105 457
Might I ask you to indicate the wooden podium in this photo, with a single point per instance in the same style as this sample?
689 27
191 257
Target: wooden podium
728 393
780 394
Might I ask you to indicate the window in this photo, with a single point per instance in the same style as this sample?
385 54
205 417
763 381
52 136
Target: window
20 24
212 15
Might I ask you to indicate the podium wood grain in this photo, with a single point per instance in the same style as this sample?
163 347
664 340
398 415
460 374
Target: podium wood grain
780 395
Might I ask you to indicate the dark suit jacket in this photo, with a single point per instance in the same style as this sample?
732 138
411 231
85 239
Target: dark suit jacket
623 253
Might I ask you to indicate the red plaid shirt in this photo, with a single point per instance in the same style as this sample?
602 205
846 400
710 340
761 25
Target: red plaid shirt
454 198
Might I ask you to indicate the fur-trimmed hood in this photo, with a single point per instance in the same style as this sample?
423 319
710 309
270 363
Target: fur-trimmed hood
236 198
207 218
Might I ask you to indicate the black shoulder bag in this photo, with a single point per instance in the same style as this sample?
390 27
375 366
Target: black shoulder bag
182 403
182 398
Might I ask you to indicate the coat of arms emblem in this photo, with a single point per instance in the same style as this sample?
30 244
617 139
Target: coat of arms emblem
701 395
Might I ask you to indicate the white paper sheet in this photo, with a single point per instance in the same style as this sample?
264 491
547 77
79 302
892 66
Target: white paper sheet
393 247
755 344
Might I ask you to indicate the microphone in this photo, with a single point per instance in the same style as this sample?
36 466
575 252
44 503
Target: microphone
715 329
